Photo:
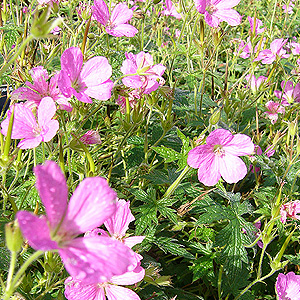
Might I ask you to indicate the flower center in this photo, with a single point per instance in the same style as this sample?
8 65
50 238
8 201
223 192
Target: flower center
37 131
211 9
218 150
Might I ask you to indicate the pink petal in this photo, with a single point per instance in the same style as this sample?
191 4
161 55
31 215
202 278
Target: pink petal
24 93
232 168
24 123
91 204
95 259
49 130
82 96
64 84
122 30
118 223
133 240
29 143
114 292
36 231
241 144
101 91
63 103
230 16
52 187
219 137
129 278
71 62
96 71
46 111
121 14
100 12
76 290
211 20
198 155
200 5
225 4
209 173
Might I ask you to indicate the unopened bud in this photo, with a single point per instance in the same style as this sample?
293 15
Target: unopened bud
202 30
215 117
13 236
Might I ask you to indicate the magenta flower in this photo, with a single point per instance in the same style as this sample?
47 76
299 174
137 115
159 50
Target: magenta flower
216 11
41 88
290 93
27 128
274 108
219 157
288 286
92 259
254 83
116 23
170 10
146 76
76 290
91 137
91 80
295 48
258 25
276 51
290 209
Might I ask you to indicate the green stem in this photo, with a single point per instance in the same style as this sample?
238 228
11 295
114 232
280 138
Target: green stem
11 269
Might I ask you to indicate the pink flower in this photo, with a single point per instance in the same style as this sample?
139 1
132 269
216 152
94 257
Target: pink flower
76 290
41 88
288 286
288 8
216 11
246 50
122 102
116 23
91 80
91 137
146 75
91 259
290 209
295 48
270 151
50 2
258 25
290 93
276 51
219 157
170 10
274 108
27 128
56 30
255 83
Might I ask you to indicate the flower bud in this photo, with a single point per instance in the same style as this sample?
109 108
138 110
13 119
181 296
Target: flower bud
215 117
13 236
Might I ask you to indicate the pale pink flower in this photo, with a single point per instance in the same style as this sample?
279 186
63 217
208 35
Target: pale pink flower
216 11
245 50
274 108
26 127
177 33
116 23
76 290
91 137
91 80
84 10
41 88
291 94
288 8
91 259
170 10
290 209
147 76
288 286
122 102
45 2
276 51
254 83
219 157
56 30
270 151
258 25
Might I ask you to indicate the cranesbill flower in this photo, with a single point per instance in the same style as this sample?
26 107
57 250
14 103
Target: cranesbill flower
254 83
276 51
291 94
41 88
274 108
27 128
216 11
91 80
91 137
91 259
116 23
76 290
290 209
219 157
146 76
288 286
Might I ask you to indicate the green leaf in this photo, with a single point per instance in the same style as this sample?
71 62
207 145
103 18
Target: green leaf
167 153
202 266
